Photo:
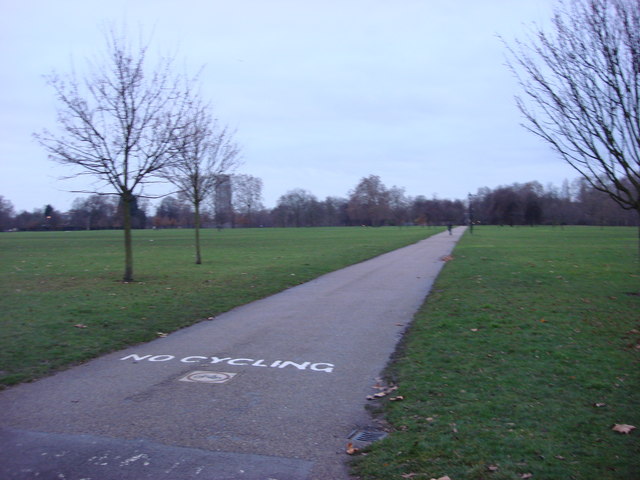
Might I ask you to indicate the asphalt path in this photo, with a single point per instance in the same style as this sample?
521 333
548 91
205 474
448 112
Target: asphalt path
273 390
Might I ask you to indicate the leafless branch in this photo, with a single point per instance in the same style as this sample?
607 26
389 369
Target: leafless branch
581 86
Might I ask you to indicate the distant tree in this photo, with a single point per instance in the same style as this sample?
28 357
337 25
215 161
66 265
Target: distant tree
29 220
419 212
582 92
297 208
437 211
173 213
204 152
369 202
531 195
6 214
119 124
51 218
334 211
505 207
247 196
398 206
94 212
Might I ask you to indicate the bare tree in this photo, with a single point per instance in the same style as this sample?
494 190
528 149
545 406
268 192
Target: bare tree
247 196
6 214
95 211
398 206
119 124
204 152
297 208
582 92
369 202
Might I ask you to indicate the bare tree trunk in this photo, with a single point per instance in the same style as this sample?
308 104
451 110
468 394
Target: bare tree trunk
128 249
197 226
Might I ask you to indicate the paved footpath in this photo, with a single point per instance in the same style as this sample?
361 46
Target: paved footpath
268 391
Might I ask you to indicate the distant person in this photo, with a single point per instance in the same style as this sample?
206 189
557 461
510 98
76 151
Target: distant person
449 227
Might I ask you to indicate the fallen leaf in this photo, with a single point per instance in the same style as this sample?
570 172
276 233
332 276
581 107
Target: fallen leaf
492 468
447 258
80 325
396 399
351 450
446 477
526 475
385 391
560 457
623 428
409 475
599 404
474 329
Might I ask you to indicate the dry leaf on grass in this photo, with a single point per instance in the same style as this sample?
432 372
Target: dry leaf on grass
80 325
447 258
623 428
385 391
526 475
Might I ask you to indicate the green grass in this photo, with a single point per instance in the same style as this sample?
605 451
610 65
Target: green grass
526 330
52 281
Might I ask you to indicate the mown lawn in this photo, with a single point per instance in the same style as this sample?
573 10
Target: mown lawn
62 300
520 362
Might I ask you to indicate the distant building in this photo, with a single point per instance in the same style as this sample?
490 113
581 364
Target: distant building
222 202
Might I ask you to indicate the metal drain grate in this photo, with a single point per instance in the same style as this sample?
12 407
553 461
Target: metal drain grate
367 435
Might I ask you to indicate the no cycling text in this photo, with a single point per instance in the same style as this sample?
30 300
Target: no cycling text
242 362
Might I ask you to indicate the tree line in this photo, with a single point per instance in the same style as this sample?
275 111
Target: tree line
369 203
128 126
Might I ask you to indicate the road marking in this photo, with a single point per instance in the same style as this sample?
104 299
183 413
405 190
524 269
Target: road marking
239 361
201 376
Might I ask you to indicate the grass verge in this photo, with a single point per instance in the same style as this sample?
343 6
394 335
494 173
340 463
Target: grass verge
520 362
62 300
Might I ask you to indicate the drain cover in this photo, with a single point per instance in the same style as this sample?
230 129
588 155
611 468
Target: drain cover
367 435
201 376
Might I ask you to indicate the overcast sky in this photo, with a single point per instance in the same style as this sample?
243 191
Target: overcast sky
322 93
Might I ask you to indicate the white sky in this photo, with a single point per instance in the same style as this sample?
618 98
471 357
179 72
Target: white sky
321 92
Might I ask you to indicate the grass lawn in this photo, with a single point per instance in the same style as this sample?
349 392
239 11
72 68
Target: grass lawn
522 359
54 284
